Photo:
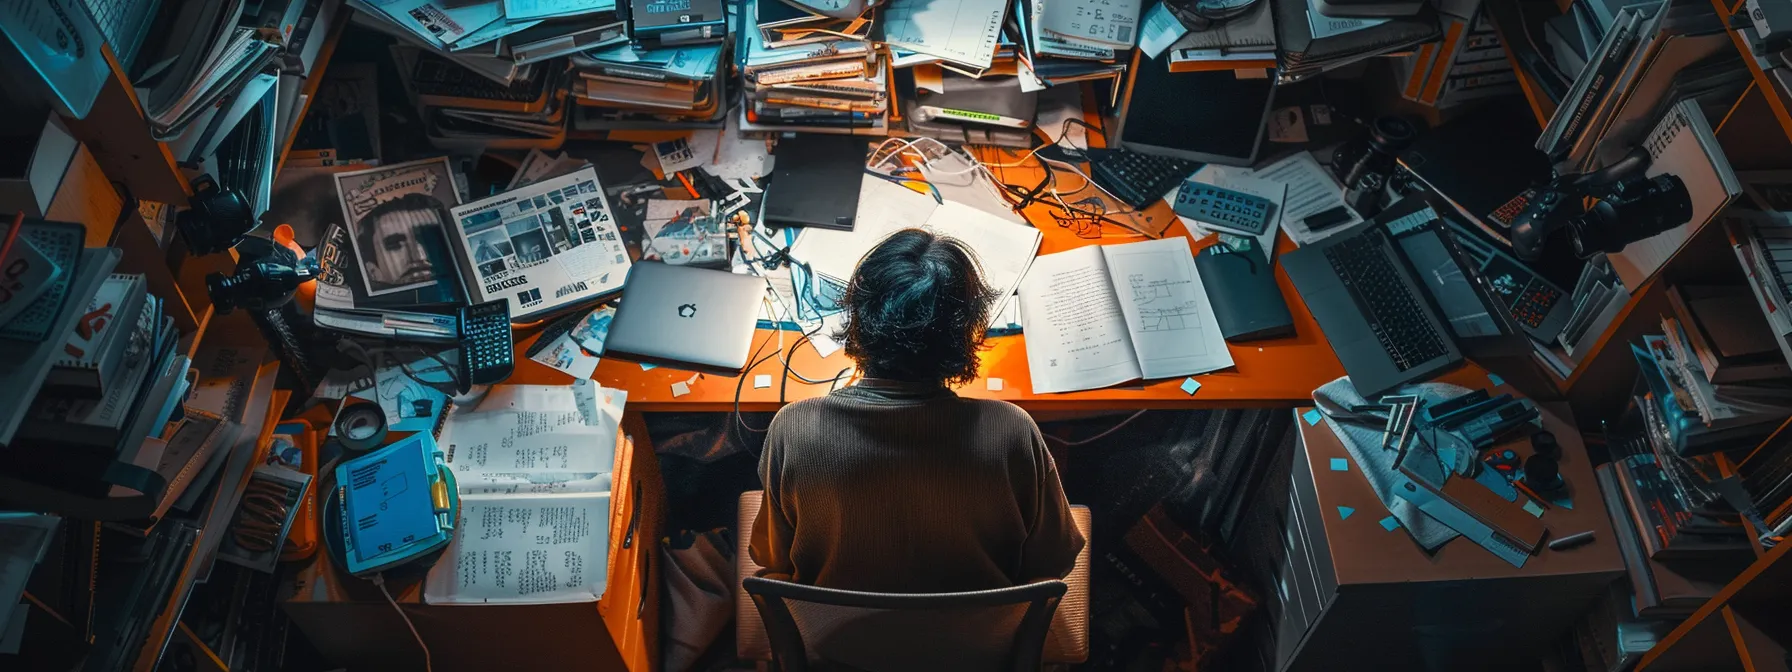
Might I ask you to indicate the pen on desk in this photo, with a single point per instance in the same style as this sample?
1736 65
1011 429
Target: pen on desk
1531 493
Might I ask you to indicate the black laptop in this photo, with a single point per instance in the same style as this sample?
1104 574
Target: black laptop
1393 296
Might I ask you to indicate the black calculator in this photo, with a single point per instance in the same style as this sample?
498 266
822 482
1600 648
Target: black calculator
1225 209
487 354
1136 179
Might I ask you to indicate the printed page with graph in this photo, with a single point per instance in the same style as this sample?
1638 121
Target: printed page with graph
1174 332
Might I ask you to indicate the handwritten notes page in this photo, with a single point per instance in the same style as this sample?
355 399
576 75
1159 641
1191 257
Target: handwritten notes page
1174 331
1076 330
525 549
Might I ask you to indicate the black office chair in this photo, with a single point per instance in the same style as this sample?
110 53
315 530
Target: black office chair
1002 629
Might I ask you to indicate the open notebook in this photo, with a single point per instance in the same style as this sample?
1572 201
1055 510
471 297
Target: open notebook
1105 314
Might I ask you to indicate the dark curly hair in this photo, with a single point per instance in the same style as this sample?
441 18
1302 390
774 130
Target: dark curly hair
918 308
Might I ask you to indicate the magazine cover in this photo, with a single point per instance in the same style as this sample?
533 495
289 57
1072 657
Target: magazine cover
390 212
550 244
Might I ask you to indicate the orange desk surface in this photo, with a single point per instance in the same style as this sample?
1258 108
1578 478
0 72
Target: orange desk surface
1271 372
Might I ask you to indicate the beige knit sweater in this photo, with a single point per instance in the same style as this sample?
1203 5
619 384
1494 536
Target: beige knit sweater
888 486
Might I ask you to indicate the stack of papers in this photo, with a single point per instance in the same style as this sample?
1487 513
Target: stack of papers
624 84
1311 42
834 85
532 465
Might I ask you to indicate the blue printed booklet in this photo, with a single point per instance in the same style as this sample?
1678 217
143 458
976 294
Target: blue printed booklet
388 515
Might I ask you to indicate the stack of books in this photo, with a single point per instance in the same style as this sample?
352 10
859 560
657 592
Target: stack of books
1691 415
1315 36
838 85
492 74
1679 542
1469 64
90 368
625 86
459 107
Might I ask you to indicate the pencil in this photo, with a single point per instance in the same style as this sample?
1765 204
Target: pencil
1531 493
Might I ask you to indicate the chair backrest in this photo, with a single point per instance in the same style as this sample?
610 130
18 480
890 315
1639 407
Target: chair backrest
1002 629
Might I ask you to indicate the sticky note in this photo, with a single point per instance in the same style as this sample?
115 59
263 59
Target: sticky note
996 384
1495 379
1344 512
1532 508
1190 385
1390 523
648 367
1311 416
1340 464
680 389
762 381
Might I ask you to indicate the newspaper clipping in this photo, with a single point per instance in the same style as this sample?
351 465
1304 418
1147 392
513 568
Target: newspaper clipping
543 246
388 211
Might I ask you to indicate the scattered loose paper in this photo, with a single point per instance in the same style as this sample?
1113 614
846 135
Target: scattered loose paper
995 384
1344 512
1190 386
1532 508
1340 464
680 389
1390 523
1311 416
762 381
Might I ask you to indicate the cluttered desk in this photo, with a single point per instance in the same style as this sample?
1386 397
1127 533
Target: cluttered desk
477 241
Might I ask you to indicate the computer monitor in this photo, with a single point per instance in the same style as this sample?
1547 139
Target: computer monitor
1211 117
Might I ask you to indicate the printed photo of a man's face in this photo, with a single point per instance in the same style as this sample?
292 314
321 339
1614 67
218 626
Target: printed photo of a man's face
390 239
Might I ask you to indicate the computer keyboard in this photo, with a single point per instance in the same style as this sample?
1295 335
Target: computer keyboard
1392 311
1137 179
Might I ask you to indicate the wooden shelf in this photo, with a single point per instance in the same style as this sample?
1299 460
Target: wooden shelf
117 131
313 79
1759 595
1755 650
1769 90
263 413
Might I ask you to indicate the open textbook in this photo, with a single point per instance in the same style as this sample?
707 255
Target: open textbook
533 467
1105 314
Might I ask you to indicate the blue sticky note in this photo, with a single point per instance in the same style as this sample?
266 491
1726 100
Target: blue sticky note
1344 512
1311 416
1190 385
1390 523
648 367
1340 464
1532 508
1495 379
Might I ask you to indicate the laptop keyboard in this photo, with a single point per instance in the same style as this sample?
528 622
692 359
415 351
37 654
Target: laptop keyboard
1394 314
1138 180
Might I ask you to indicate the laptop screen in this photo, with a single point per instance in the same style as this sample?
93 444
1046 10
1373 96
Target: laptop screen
1451 288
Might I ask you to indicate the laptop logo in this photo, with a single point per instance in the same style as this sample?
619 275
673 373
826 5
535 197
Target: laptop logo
687 310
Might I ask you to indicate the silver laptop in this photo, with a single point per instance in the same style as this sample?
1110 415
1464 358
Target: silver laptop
686 317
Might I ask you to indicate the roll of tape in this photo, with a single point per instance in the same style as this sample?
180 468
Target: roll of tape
361 427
